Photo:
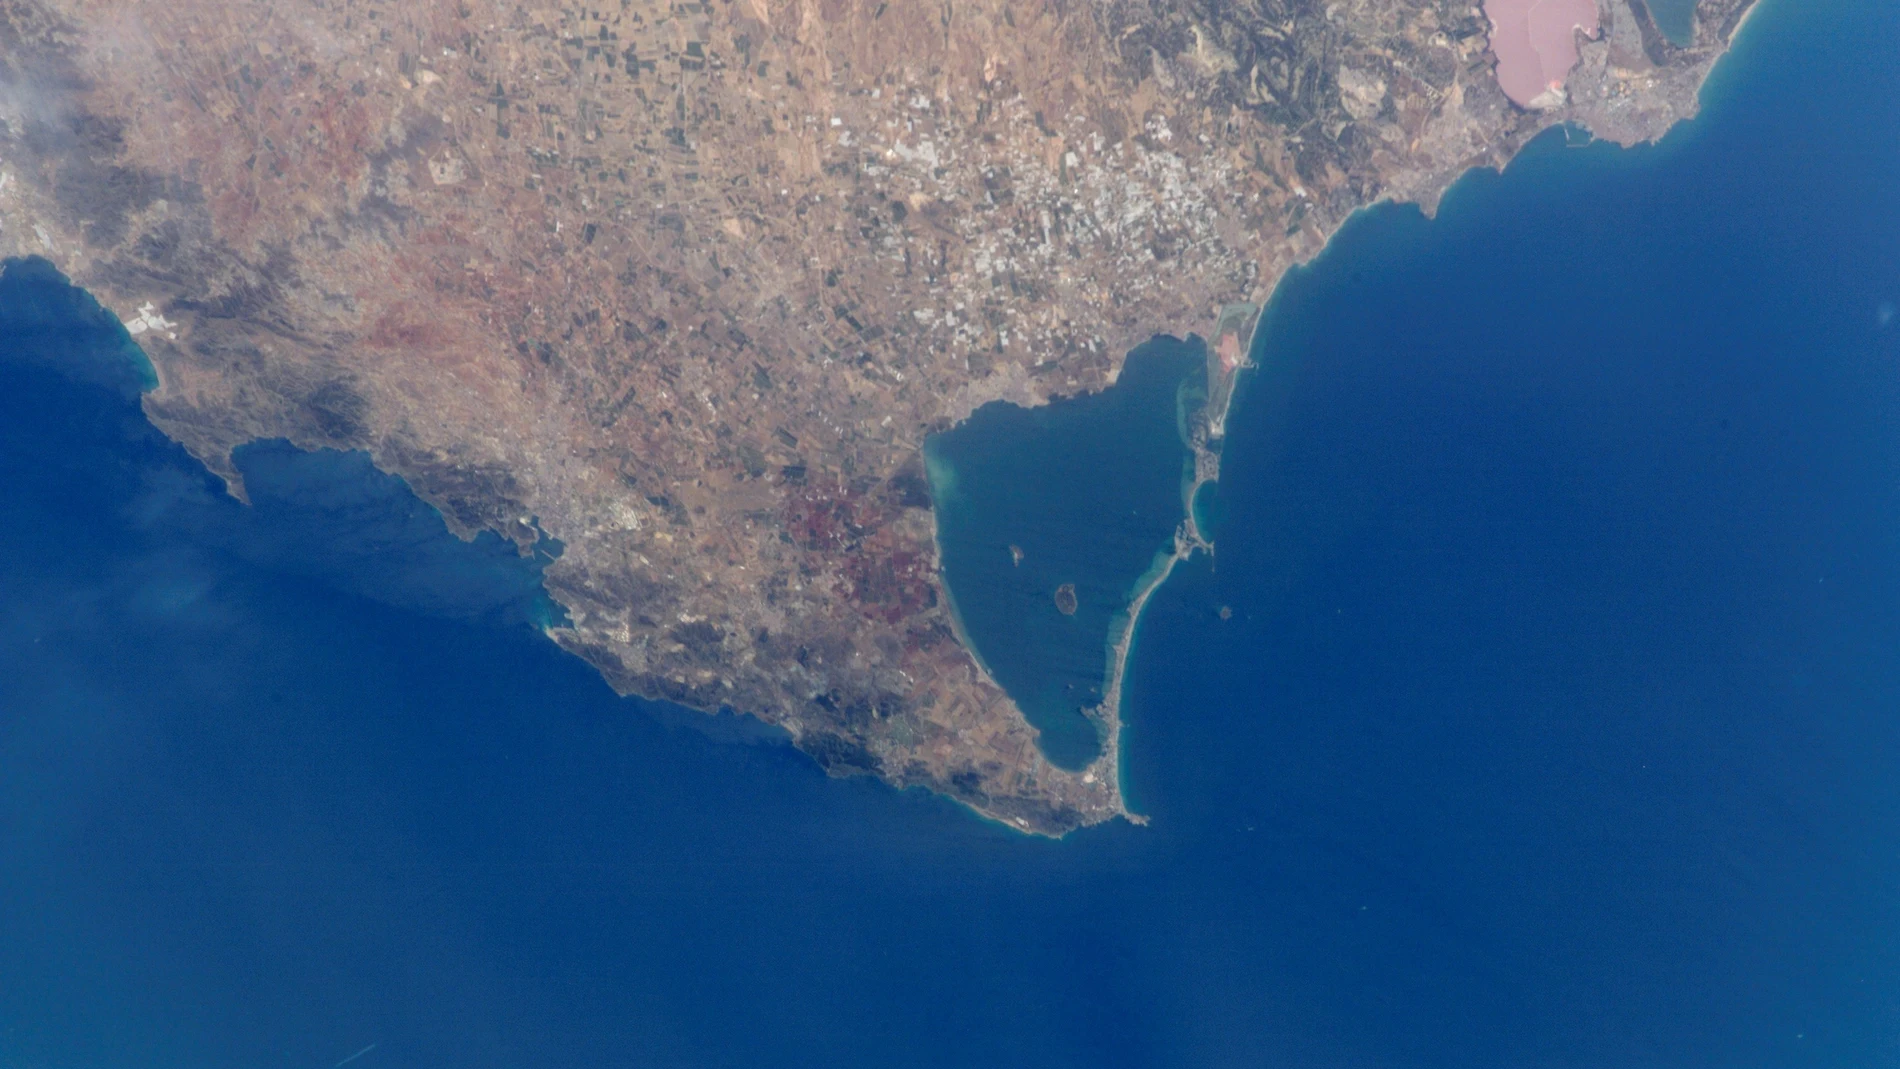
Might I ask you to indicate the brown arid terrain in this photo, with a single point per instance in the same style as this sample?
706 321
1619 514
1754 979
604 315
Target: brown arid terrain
684 285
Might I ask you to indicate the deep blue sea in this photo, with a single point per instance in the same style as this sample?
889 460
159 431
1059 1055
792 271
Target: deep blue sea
1556 723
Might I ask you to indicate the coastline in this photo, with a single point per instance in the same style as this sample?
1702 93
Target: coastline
1211 422
1468 772
1170 394
599 643
1235 332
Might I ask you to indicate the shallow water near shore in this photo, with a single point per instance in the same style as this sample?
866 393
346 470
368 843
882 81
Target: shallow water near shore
1556 720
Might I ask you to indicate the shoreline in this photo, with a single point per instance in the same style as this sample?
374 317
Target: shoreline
1231 352
1211 424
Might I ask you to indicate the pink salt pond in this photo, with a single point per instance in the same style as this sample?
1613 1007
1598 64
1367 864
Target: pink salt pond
1536 44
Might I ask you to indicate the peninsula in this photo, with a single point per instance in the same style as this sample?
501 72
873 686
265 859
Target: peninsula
685 283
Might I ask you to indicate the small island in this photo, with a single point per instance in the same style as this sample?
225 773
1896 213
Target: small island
1065 599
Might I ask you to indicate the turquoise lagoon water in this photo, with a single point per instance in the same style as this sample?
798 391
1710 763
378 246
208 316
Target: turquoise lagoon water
1556 721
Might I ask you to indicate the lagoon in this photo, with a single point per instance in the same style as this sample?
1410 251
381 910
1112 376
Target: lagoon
1085 494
